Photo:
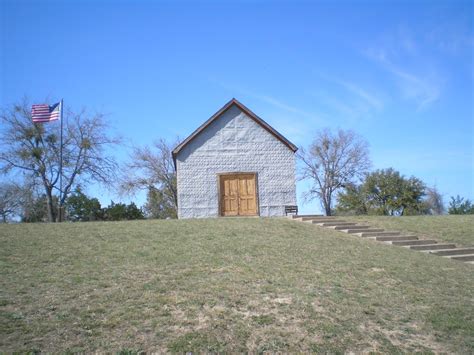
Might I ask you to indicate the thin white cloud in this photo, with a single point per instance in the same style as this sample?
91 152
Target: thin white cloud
422 88
313 117
353 102
298 134
415 87
272 101
371 99
297 124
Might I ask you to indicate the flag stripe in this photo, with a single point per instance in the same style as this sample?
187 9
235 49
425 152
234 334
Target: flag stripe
46 113
45 117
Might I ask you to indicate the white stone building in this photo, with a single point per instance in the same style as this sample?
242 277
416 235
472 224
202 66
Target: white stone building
235 164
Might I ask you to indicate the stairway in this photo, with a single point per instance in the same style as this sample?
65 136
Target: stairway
413 242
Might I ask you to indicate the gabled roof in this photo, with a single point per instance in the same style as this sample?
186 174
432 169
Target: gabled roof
244 109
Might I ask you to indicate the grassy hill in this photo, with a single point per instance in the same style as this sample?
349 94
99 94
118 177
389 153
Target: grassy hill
226 285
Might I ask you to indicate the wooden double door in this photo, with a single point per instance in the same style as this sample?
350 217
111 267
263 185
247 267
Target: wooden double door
238 194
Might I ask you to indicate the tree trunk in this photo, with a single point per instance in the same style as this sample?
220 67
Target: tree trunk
50 205
327 204
328 211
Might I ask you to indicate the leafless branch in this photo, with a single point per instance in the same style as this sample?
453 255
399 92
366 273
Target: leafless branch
331 162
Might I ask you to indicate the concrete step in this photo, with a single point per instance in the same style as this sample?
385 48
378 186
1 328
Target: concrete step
319 222
391 238
352 230
309 220
326 219
433 246
310 216
322 219
329 221
334 224
378 234
353 227
468 257
413 242
458 251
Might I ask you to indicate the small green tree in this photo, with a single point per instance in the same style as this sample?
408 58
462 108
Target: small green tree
382 188
411 201
133 212
390 193
460 206
121 211
115 211
80 207
158 205
384 192
352 201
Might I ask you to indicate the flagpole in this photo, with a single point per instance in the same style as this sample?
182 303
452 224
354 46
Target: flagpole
61 167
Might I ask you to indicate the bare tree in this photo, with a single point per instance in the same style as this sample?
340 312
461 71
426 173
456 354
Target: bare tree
333 161
151 169
434 200
11 200
34 148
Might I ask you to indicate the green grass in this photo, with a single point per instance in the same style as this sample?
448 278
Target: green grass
454 229
225 285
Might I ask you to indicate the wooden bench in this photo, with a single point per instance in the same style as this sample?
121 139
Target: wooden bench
291 209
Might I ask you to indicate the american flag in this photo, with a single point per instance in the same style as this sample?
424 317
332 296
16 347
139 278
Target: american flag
45 112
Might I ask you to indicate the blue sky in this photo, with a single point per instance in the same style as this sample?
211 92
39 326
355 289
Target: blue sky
399 73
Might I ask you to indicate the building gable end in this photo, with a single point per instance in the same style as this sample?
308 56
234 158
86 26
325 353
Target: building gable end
219 113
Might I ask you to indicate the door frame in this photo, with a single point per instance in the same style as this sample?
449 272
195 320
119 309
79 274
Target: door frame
257 202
